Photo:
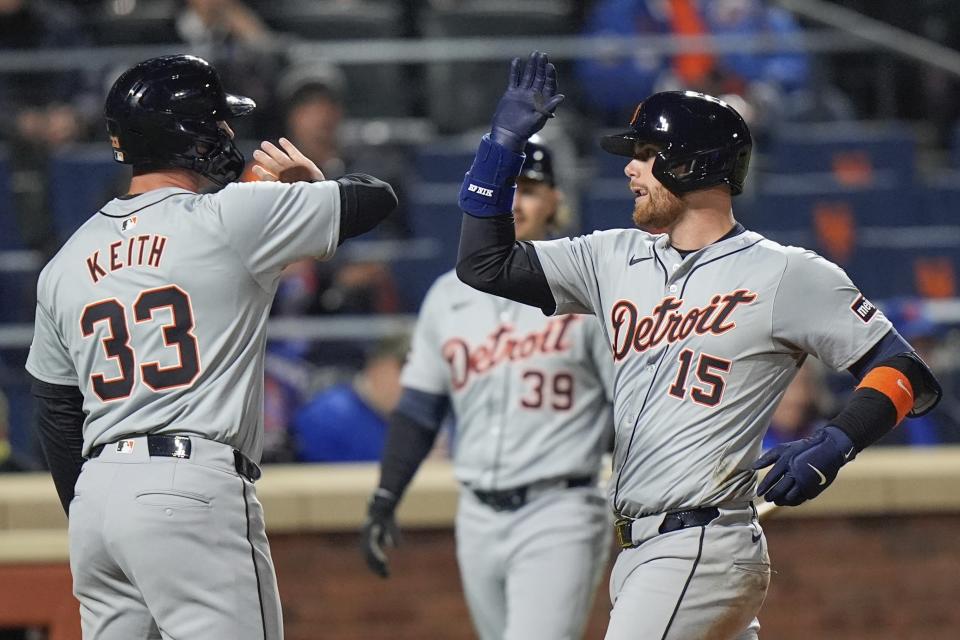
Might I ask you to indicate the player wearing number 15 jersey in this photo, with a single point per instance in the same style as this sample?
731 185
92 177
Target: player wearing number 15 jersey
148 352
708 322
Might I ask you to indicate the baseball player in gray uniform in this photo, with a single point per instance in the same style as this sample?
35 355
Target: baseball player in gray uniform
707 323
147 359
530 396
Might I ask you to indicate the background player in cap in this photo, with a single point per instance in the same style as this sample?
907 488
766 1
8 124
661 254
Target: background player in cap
147 358
530 396
708 323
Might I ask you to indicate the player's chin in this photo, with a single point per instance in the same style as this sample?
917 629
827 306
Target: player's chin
649 213
642 216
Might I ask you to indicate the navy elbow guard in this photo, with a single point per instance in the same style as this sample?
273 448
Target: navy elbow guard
489 186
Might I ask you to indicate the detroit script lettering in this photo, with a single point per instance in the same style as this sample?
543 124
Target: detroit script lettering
668 324
503 345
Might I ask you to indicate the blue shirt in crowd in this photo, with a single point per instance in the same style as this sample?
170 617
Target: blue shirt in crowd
337 425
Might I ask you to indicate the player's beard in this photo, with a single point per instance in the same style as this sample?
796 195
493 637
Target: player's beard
659 210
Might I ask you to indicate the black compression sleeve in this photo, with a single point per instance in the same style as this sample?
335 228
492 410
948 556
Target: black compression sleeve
407 445
492 261
60 428
364 202
869 414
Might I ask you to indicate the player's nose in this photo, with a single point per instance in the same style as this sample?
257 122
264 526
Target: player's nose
633 168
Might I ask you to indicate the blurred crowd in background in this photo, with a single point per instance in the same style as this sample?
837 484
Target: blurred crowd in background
855 157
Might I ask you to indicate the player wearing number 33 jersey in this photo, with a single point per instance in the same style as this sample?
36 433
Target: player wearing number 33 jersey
147 359
530 398
708 323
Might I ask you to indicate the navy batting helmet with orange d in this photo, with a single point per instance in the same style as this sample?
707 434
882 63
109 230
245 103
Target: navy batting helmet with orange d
700 141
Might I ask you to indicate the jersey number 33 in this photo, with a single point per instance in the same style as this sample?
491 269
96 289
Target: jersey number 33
116 344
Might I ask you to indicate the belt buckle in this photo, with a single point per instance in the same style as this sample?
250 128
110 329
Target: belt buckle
623 527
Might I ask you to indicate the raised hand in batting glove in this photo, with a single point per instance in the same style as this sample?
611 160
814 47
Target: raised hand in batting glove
380 531
802 469
530 99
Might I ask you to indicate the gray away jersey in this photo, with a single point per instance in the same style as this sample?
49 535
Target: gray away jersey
156 308
531 394
704 348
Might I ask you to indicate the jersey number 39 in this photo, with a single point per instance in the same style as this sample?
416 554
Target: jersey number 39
117 346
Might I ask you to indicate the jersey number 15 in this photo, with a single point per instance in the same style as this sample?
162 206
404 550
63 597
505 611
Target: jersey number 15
117 346
709 369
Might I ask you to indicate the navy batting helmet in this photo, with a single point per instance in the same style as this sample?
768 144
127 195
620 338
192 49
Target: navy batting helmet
701 141
165 112
538 165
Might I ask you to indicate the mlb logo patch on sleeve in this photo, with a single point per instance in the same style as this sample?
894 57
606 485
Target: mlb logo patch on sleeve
864 309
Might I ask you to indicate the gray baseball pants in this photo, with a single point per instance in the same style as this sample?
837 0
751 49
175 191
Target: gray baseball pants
693 584
170 548
532 573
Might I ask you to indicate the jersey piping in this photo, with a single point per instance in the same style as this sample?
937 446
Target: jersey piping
178 193
693 570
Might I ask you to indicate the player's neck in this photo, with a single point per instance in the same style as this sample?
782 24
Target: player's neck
707 217
176 178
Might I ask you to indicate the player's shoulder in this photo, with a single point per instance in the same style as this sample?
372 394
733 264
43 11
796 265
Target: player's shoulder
791 254
70 253
606 242
446 283
799 262
631 238
449 286
446 280
260 191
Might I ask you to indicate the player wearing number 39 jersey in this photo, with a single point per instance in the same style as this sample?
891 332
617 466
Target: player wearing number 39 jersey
708 323
530 397
147 359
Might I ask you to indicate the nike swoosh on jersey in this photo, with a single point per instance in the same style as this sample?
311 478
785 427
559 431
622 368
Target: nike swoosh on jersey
755 537
846 456
456 306
904 387
634 260
823 478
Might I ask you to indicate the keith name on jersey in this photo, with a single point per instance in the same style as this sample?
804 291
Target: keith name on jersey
668 324
503 345
136 251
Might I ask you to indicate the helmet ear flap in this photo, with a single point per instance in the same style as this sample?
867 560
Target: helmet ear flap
214 156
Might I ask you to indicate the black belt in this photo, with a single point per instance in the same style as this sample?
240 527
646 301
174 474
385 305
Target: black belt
673 521
515 498
181 447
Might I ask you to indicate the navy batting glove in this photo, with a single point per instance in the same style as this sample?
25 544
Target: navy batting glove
530 99
802 469
379 532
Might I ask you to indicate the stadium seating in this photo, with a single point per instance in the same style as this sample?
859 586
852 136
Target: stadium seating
462 95
9 233
372 90
856 154
81 180
134 23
